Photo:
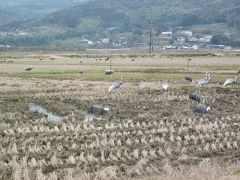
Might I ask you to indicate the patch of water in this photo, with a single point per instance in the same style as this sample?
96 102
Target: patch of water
38 109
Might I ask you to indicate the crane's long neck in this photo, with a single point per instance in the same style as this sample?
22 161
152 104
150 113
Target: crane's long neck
208 77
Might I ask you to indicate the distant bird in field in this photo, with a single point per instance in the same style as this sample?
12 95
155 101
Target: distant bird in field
205 81
142 84
109 71
195 97
201 108
107 59
188 78
28 69
81 71
93 111
116 85
238 72
165 86
230 81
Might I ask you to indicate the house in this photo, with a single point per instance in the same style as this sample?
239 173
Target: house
105 41
167 34
205 39
187 33
169 47
193 39
181 40
88 42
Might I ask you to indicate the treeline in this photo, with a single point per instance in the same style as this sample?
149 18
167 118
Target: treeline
95 17
223 40
135 15
37 39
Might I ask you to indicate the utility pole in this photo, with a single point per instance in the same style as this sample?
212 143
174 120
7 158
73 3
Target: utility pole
150 41
110 64
150 35
188 61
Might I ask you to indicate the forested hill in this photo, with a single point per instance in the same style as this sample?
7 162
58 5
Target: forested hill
95 16
134 15
18 10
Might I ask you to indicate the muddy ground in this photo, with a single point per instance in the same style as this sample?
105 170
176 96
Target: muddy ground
143 124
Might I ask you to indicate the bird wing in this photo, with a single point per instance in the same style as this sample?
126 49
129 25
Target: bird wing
200 108
229 81
225 83
115 85
194 96
111 88
202 82
188 78
95 109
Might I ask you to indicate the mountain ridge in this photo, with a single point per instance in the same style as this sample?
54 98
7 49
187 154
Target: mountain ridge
93 18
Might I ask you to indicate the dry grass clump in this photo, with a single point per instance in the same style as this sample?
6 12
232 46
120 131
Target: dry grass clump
206 170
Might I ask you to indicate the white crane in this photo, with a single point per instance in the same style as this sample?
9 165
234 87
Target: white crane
230 81
203 82
116 85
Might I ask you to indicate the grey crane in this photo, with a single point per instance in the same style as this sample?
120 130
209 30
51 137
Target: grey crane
93 111
28 69
116 85
201 108
188 78
230 81
195 97
205 81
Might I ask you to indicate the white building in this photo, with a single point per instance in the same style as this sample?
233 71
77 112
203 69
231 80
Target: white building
187 33
105 41
195 47
167 33
193 39
205 39
181 40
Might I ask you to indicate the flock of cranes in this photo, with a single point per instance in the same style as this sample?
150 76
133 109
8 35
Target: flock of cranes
199 108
